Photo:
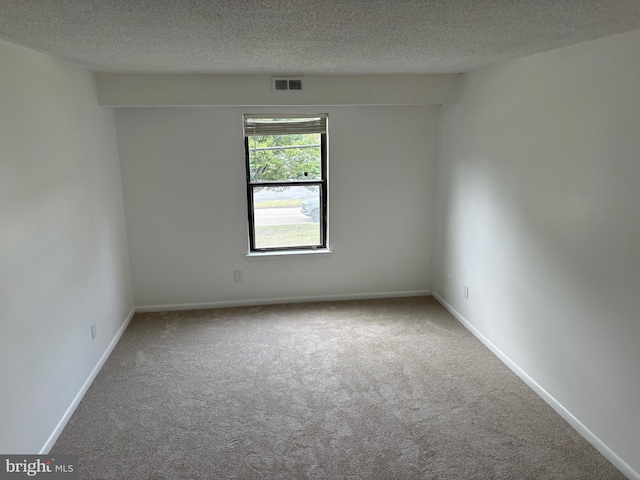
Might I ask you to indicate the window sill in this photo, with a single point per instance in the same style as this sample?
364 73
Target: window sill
288 253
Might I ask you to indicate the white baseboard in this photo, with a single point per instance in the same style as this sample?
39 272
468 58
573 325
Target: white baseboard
273 301
85 386
609 454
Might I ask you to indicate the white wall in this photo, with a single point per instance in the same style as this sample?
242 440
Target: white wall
539 213
185 203
135 89
63 257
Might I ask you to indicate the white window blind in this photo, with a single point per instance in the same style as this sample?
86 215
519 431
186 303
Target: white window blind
254 125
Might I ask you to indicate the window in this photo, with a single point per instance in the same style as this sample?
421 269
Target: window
286 161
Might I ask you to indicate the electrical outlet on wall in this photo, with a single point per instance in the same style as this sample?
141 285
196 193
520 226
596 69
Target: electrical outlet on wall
237 275
465 292
94 332
450 279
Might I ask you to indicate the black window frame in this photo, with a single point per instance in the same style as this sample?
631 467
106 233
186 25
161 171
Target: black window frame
322 186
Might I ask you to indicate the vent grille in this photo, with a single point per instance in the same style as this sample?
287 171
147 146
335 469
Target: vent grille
286 84
282 84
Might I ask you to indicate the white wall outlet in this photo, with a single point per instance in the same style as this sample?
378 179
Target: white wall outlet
237 275
465 292
94 332
450 279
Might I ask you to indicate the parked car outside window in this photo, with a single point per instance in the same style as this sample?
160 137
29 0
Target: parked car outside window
311 208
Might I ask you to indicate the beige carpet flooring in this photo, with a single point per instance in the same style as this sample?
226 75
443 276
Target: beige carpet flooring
376 389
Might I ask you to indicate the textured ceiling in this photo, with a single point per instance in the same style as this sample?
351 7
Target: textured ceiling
306 36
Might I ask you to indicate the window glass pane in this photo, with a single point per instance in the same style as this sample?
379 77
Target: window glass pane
286 216
281 158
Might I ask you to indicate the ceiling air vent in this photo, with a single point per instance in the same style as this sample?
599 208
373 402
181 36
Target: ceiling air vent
286 84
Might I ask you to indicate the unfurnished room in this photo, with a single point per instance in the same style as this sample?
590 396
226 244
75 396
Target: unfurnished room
287 239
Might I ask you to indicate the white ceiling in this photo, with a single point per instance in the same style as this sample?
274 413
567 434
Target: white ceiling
306 36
